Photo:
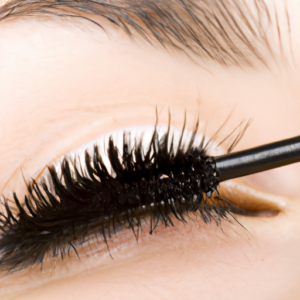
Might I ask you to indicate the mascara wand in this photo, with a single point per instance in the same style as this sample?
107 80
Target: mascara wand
258 159
162 183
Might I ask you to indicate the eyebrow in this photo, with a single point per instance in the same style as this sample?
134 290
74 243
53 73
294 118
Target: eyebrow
230 32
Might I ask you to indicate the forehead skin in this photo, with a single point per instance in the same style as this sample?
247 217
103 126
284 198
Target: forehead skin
63 83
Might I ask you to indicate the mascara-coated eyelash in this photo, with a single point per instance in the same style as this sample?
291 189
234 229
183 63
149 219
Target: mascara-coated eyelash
60 215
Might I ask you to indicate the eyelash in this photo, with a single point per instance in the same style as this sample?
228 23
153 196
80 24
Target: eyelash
61 215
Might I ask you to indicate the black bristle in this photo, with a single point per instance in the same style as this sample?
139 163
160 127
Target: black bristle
159 183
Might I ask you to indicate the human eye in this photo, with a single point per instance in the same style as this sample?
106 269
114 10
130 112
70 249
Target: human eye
142 179
65 81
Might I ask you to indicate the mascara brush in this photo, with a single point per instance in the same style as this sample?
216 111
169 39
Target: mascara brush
258 159
61 214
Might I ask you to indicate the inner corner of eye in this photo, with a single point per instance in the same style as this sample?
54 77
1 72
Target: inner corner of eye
248 201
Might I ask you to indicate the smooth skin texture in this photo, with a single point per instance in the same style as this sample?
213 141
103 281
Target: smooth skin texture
64 83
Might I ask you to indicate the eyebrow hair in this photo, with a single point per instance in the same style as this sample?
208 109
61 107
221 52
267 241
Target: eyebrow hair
229 32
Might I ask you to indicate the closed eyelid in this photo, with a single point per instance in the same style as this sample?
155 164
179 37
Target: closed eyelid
49 200
96 184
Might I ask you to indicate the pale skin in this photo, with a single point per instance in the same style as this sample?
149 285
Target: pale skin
62 85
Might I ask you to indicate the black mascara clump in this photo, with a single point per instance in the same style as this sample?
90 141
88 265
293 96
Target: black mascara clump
158 183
